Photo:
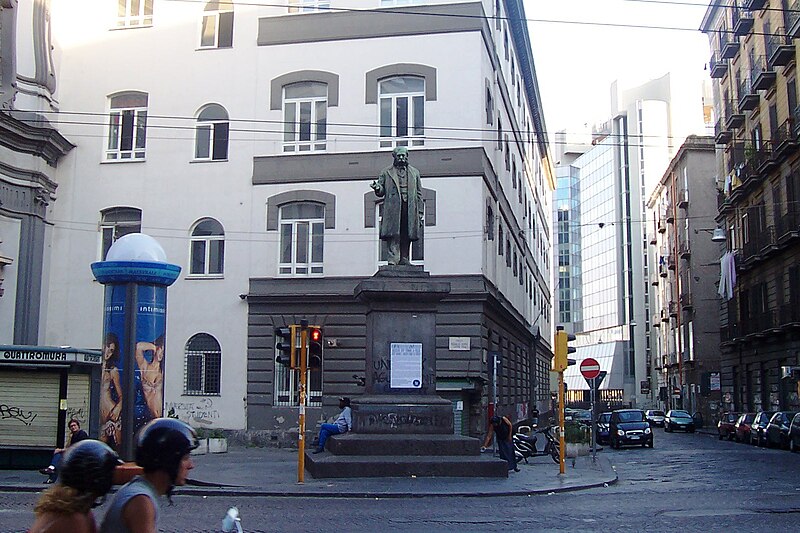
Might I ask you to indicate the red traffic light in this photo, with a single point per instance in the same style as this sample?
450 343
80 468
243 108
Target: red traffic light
316 335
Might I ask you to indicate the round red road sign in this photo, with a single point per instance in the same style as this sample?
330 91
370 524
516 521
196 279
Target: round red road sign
590 368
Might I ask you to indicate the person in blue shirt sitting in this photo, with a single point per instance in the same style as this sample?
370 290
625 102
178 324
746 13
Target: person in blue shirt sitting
343 424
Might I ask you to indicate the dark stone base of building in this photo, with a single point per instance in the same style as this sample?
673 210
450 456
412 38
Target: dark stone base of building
358 455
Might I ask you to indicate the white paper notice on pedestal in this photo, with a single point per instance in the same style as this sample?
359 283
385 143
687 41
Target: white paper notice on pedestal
406 360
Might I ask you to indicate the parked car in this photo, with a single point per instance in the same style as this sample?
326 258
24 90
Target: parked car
655 417
794 434
602 427
583 416
757 427
743 427
726 427
678 419
629 426
777 430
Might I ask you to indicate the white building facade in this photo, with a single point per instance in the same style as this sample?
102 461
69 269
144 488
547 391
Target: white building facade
244 139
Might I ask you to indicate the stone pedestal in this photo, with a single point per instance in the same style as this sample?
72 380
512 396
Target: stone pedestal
401 427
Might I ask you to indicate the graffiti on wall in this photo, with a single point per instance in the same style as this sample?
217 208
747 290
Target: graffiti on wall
201 410
12 412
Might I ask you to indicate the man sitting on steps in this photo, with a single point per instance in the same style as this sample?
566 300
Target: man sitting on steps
342 424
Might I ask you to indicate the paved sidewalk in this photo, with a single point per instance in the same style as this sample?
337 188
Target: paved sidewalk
273 472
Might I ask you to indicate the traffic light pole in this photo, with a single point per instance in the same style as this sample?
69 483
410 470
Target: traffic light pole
301 433
561 422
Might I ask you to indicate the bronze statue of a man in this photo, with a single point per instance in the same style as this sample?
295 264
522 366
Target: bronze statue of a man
403 209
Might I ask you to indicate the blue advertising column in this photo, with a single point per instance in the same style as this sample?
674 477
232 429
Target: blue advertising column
136 276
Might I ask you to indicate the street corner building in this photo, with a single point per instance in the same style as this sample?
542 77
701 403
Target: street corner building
244 139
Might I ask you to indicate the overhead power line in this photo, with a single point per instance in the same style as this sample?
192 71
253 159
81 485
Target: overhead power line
633 140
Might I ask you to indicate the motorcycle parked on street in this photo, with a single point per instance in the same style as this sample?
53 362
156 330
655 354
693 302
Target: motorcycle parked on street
525 445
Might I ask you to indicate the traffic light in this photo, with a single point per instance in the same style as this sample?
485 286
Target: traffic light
562 349
315 340
285 346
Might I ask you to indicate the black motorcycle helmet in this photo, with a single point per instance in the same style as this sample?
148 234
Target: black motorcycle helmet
88 466
495 420
163 442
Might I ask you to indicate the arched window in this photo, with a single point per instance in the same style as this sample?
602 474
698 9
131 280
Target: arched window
127 126
305 116
302 227
402 111
211 134
116 222
203 365
217 29
208 248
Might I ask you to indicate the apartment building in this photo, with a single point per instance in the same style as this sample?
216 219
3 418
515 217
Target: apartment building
685 247
753 65
244 137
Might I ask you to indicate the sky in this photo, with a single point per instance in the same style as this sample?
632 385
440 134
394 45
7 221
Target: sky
577 62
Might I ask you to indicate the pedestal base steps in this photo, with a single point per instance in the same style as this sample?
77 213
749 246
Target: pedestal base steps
357 455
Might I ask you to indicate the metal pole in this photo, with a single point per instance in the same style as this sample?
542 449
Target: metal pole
301 433
561 422
494 397
593 385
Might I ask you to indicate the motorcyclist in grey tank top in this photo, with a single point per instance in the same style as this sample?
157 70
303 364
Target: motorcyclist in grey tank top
163 453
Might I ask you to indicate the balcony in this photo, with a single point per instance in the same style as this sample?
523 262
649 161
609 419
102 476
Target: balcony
793 19
683 198
763 75
742 21
748 97
684 251
767 241
784 139
686 302
673 308
734 118
763 160
664 316
780 49
728 45
662 226
654 281
789 315
717 66
787 227
722 135
754 5
670 217
662 271
671 263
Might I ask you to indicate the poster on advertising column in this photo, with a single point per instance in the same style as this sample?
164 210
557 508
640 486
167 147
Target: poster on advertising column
111 393
406 360
149 353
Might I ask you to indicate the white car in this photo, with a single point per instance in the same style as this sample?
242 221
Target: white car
655 417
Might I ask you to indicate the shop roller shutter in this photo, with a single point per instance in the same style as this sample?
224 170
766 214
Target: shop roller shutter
28 408
78 401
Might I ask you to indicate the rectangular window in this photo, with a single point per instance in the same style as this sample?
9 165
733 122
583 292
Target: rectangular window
402 111
302 240
134 13
305 111
217 30
127 127
308 6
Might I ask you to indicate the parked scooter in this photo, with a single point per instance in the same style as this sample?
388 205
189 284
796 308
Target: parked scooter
525 445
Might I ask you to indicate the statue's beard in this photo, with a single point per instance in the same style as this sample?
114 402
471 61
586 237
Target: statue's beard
402 164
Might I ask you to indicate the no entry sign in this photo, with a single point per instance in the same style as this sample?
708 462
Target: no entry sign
590 368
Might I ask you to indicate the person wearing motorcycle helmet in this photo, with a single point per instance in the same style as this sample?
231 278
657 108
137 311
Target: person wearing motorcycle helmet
162 450
85 477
